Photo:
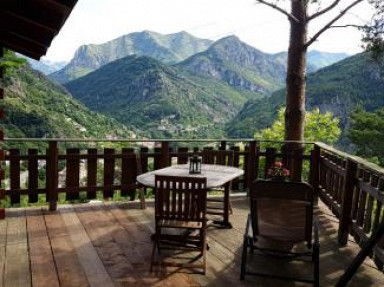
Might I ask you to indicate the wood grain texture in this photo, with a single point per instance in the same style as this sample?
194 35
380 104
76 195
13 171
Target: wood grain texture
69 269
89 260
43 267
17 271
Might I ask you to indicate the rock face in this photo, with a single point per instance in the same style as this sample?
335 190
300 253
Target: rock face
169 49
239 65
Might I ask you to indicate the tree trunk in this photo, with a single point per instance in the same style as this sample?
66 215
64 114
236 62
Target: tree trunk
297 54
295 85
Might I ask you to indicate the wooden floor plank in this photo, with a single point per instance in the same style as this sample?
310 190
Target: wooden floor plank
69 269
92 265
132 219
101 232
3 241
118 236
43 267
17 268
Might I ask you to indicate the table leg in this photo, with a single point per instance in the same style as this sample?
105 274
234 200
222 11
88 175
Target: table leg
225 222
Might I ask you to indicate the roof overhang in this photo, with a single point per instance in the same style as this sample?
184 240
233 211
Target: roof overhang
29 26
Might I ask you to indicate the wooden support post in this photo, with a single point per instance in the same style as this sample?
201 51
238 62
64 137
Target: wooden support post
270 157
14 175
52 175
297 164
223 145
314 179
2 192
164 161
251 163
346 202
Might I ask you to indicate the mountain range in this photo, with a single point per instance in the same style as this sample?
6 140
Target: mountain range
169 49
180 86
206 89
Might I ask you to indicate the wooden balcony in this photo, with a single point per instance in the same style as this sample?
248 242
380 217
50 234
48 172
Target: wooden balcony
109 243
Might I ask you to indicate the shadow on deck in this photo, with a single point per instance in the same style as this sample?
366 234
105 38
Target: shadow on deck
108 244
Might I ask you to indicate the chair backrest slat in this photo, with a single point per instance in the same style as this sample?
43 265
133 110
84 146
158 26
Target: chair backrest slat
222 157
286 202
180 198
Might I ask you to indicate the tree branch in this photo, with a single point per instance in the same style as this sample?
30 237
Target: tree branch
330 23
346 26
281 10
325 10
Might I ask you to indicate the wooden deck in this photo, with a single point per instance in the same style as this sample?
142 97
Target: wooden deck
108 244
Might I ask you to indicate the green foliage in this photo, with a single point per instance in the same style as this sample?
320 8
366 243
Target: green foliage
367 133
339 88
10 60
318 127
38 108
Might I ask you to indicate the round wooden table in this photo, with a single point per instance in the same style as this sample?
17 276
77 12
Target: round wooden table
217 176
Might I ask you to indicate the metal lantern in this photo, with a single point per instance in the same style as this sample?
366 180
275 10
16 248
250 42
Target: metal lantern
195 165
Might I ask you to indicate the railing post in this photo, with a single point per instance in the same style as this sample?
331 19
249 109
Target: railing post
223 145
251 167
2 191
164 159
314 179
346 202
52 175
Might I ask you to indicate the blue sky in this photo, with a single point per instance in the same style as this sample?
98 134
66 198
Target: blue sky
98 21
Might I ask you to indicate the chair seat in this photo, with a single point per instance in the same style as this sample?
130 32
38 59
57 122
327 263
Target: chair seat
180 224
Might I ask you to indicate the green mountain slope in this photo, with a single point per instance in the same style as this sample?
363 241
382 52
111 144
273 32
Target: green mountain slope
238 65
339 88
36 107
153 97
169 49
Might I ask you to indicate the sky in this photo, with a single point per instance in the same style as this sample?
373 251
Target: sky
99 21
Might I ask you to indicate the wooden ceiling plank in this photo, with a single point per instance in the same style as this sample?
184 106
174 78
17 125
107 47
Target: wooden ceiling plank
25 29
17 41
26 20
40 14
21 50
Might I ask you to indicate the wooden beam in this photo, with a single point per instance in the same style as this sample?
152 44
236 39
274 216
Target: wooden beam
22 45
66 5
41 14
26 29
2 192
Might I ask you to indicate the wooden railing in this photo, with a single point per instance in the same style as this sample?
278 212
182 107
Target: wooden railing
350 186
354 190
109 170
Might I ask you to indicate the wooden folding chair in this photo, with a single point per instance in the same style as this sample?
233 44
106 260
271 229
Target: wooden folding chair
219 206
180 205
281 212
